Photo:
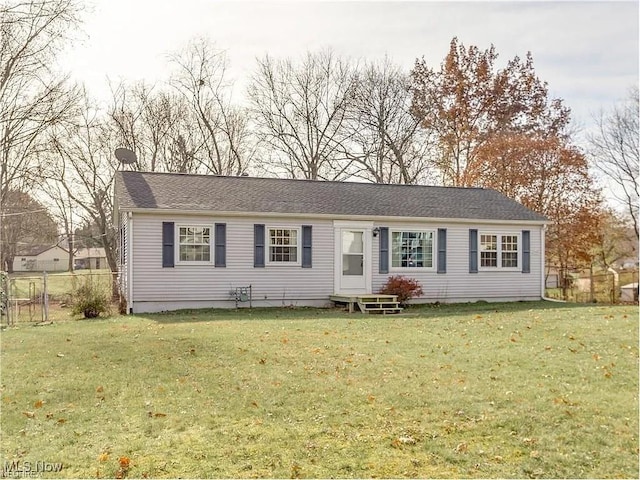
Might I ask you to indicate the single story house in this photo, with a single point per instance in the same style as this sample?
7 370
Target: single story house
93 258
191 241
40 258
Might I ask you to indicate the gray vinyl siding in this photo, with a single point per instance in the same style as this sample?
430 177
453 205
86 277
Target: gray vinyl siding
154 287
272 285
457 284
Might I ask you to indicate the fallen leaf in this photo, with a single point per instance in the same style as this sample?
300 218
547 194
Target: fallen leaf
461 447
407 440
29 414
38 404
100 389
60 355
103 457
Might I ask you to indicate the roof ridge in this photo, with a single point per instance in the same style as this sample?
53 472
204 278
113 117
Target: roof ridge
300 180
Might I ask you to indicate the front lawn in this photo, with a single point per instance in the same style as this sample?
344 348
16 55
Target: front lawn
485 391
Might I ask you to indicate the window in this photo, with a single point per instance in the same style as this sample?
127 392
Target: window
412 249
488 250
283 245
194 244
498 251
509 251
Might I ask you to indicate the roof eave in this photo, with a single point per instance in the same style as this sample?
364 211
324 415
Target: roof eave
326 216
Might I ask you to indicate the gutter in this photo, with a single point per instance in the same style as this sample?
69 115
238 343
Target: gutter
329 216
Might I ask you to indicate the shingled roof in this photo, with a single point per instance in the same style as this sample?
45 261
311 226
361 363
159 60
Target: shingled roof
170 191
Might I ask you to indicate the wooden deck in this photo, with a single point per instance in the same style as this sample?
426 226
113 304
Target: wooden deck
375 303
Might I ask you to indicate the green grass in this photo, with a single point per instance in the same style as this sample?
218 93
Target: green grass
509 390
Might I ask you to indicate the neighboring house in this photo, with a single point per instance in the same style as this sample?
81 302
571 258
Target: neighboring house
40 258
91 258
189 241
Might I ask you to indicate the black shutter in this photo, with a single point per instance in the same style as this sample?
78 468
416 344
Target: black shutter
306 246
168 239
221 245
384 250
442 250
473 251
526 251
258 245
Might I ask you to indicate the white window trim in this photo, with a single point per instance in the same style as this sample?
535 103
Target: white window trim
498 268
434 250
210 262
267 260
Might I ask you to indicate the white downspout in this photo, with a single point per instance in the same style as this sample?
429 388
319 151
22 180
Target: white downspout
130 262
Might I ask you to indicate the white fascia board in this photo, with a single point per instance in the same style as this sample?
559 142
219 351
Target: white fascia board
326 216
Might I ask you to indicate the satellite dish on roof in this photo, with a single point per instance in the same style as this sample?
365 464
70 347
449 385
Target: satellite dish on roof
125 156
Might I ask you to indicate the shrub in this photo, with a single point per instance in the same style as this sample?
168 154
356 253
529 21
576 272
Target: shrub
404 288
90 300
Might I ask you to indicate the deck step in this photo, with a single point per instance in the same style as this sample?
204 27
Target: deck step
375 303
384 311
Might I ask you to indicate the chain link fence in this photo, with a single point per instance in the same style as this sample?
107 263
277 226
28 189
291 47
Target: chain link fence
588 287
44 297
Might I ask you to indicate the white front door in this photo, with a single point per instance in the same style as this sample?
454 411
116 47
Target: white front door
353 277
353 258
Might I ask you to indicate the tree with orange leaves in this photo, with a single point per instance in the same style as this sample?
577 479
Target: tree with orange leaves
550 176
499 129
468 102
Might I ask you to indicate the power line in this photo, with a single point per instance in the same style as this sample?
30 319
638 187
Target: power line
22 213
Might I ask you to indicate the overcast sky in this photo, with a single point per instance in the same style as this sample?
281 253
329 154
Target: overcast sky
586 51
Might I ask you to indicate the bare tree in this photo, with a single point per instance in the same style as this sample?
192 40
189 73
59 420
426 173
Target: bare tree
125 120
615 151
84 166
61 208
25 221
300 112
154 123
200 77
33 96
385 140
